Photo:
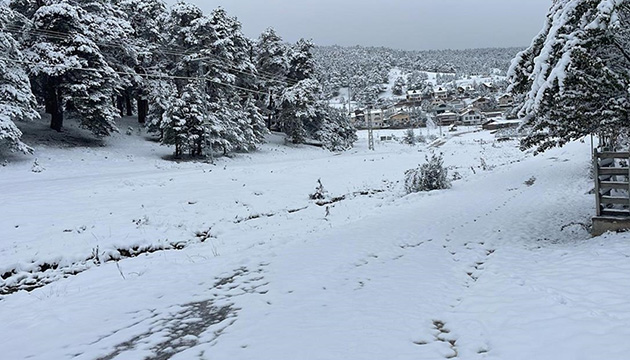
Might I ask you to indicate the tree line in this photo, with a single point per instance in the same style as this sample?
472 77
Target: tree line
191 78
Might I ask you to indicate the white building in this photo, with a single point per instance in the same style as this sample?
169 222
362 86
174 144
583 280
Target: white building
440 92
471 117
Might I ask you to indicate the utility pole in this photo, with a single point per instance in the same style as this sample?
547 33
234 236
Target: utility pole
206 130
370 129
349 98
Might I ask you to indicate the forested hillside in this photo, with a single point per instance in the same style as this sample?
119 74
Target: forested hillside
365 68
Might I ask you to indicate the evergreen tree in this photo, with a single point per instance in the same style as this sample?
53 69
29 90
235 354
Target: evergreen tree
573 80
298 112
336 132
301 62
159 93
255 128
399 86
185 121
147 53
273 64
69 70
17 102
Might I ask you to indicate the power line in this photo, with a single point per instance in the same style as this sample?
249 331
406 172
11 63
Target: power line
155 76
54 35
64 36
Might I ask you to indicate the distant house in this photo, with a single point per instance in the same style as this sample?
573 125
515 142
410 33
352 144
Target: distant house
471 117
465 89
483 103
357 118
493 114
362 118
506 100
400 119
457 104
447 118
440 107
489 86
414 95
440 92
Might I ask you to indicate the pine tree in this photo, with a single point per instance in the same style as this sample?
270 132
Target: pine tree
298 111
17 102
255 128
335 132
273 64
160 93
301 62
399 86
70 71
185 121
573 79
147 53
298 114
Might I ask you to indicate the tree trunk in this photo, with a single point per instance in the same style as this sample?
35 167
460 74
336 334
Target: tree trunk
143 109
54 107
119 105
128 105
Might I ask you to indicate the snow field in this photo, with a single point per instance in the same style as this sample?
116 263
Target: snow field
490 269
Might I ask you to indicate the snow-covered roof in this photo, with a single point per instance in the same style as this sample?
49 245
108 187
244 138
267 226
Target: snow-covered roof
470 110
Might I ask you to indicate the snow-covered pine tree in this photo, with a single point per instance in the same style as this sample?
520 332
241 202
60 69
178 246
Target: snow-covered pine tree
335 132
17 102
399 86
298 114
431 175
90 92
298 110
159 94
273 64
69 70
184 121
410 137
217 50
148 18
256 128
301 62
573 80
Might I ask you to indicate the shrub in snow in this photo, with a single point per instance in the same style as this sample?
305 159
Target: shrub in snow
37 168
409 138
320 193
431 175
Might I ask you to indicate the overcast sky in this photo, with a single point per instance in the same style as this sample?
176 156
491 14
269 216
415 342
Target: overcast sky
402 24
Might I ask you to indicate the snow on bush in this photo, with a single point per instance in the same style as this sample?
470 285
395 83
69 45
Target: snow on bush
320 193
431 175
409 138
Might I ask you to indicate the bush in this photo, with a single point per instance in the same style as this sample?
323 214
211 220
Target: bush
320 193
429 176
409 138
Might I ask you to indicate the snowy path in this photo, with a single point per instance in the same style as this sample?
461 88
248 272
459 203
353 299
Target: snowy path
486 270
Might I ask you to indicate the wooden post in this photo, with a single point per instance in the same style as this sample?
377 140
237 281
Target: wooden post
597 194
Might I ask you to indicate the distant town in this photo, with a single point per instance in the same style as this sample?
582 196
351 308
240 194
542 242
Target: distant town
484 106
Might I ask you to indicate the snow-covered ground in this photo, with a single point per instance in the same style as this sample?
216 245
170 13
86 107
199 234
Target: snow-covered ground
498 267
